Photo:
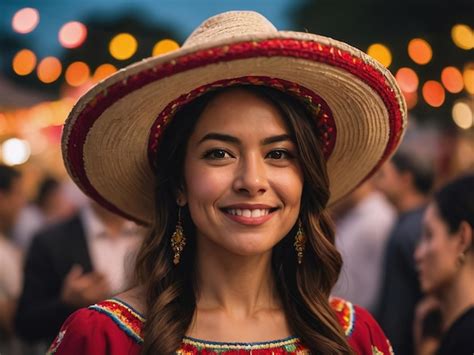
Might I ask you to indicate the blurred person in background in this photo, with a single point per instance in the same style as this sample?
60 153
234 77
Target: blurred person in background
50 206
71 265
363 222
445 260
407 181
12 199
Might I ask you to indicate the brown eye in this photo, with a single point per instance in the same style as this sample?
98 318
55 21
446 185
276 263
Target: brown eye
278 154
216 154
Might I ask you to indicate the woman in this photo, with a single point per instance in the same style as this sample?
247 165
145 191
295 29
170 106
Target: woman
445 259
227 147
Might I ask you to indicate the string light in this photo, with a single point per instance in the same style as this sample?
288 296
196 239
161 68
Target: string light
25 20
123 46
24 62
420 51
72 34
433 93
49 70
452 80
164 46
407 79
381 53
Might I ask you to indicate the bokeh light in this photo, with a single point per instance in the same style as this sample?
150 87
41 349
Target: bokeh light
24 62
15 151
381 53
103 71
164 46
468 76
420 51
123 46
25 20
452 79
462 36
407 79
77 73
463 115
411 99
433 93
49 69
72 34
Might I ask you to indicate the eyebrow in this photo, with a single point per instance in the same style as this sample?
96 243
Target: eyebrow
231 139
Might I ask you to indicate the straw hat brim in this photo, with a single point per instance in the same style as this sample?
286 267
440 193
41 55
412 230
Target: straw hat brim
108 135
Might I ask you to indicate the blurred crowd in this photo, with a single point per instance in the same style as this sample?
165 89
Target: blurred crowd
58 253
405 237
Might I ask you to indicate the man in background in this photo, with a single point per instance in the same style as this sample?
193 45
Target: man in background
74 264
406 180
12 200
363 221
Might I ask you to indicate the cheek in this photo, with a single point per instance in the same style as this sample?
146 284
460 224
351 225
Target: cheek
289 186
205 183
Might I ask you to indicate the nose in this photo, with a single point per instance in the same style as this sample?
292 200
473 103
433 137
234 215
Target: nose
251 176
419 252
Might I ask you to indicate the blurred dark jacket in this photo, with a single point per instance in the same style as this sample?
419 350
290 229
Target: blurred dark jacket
51 256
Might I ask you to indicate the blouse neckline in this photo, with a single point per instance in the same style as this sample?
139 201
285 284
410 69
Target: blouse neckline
201 343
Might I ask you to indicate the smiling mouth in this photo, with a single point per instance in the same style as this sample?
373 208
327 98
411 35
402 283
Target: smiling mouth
249 213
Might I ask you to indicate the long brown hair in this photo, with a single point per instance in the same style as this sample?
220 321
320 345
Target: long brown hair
304 289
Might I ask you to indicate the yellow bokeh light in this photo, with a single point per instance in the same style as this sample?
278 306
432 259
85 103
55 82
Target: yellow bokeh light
381 53
25 20
462 115
123 46
164 46
24 62
77 73
420 51
49 70
103 71
463 36
452 80
468 76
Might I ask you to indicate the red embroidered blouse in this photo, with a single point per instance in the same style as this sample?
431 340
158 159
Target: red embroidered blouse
113 327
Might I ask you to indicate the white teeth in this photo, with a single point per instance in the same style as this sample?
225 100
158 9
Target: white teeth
248 213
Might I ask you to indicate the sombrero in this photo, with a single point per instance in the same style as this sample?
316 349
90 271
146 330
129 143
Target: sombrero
113 132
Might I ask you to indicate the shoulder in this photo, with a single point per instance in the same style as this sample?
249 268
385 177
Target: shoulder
99 328
363 332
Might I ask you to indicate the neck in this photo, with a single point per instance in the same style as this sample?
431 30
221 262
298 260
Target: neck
458 297
411 201
238 285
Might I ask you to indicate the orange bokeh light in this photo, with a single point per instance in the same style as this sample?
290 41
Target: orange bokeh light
420 51
103 71
72 34
49 70
77 73
411 99
433 93
24 62
452 79
407 79
25 20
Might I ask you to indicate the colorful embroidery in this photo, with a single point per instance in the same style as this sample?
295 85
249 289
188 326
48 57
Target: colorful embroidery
345 314
124 316
291 345
57 341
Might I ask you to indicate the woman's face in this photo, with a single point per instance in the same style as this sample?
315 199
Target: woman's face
437 254
243 182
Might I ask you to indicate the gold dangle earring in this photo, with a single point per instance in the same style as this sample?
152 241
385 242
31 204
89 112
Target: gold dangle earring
178 240
300 242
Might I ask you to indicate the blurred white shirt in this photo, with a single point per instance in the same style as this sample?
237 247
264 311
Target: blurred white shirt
112 256
361 236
